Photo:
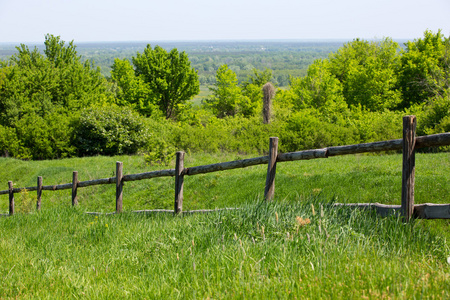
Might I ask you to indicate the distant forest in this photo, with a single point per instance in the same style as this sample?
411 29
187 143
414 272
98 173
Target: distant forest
285 58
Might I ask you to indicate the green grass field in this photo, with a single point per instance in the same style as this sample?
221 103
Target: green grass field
298 246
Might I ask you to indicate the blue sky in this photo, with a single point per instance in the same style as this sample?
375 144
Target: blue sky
169 20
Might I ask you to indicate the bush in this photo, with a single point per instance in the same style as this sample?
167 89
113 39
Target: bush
9 142
45 137
160 147
109 131
377 126
306 129
230 134
436 115
159 152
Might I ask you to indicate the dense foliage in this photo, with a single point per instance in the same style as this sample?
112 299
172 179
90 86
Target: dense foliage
40 93
53 104
170 78
109 131
159 79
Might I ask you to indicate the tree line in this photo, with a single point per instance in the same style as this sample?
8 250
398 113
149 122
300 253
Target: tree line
284 58
54 104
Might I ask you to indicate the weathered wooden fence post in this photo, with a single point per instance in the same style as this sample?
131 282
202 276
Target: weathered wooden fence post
11 198
119 187
271 169
268 94
179 182
39 193
74 188
409 164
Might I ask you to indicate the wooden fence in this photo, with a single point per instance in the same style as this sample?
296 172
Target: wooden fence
408 145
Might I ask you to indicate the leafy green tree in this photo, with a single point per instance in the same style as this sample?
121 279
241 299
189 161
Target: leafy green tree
259 78
320 90
39 93
425 68
368 73
132 90
58 53
41 84
27 88
227 98
169 77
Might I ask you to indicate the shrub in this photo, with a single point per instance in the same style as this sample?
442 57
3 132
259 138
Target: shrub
436 115
109 131
159 147
45 137
235 134
159 152
306 129
9 143
376 126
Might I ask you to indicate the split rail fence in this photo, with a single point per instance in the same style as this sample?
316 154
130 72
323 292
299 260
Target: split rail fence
408 144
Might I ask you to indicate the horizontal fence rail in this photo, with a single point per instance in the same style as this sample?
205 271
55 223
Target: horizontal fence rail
420 211
408 209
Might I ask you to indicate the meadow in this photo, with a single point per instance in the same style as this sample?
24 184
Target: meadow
297 246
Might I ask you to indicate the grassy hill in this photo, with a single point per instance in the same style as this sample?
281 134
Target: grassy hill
298 246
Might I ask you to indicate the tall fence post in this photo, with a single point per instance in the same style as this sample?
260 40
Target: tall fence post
119 187
11 198
271 169
409 164
179 182
39 193
74 188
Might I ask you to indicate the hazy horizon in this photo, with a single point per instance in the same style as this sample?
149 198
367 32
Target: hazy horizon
209 41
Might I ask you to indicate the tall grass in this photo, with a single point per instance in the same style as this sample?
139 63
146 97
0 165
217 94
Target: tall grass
263 250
